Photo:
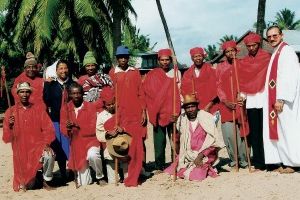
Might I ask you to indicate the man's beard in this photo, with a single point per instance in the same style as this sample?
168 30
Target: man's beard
192 115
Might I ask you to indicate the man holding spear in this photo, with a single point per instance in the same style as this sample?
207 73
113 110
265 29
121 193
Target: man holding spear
160 93
131 112
227 89
29 129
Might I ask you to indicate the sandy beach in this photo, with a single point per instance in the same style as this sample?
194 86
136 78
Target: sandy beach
229 185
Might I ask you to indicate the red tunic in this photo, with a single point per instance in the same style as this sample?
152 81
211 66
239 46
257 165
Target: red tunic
83 137
32 131
159 97
81 79
131 102
252 72
37 85
224 73
204 86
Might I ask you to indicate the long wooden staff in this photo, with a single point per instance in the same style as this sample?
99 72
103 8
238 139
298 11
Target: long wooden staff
234 128
116 125
71 141
174 113
242 113
3 76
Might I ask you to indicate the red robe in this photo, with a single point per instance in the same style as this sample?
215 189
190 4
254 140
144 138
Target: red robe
224 72
252 72
32 131
81 79
37 85
82 138
159 93
204 85
131 103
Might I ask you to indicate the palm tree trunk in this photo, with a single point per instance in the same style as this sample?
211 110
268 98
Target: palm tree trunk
261 17
163 19
116 26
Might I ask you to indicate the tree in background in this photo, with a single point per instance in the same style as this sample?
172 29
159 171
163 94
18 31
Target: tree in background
260 23
285 19
212 52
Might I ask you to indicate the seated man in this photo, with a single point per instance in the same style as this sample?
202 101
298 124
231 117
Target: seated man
30 131
108 98
199 142
78 121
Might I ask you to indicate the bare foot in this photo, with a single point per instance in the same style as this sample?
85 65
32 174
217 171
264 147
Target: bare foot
47 187
287 170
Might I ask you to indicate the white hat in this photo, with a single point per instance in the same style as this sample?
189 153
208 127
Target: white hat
23 86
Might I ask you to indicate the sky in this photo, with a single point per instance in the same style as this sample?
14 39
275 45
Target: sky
202 22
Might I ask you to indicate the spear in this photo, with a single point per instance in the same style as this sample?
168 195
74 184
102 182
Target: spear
3 79
234 129
71 138
242 112
116 125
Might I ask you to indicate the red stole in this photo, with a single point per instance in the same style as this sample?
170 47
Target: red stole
272 95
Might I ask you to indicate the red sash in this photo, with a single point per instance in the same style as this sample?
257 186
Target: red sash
272 95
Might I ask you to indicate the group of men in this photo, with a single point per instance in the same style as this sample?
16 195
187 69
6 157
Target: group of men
98 124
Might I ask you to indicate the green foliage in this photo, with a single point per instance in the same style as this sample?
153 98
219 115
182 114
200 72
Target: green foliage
285 19
212 52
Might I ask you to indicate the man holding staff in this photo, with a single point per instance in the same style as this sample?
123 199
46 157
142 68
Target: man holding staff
30 131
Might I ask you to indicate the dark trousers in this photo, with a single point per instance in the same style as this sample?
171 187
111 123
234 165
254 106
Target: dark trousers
160 141
255 118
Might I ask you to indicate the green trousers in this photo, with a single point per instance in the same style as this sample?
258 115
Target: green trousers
160 134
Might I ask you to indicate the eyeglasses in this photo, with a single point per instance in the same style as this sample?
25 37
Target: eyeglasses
275 36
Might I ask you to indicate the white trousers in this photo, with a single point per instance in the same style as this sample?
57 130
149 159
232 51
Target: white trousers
94 159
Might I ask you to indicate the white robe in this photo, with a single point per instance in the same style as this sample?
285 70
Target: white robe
287 149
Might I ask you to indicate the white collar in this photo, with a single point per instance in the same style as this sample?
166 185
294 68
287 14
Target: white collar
61 81
118 69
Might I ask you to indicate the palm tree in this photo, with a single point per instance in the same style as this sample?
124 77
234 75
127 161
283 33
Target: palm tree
227 38
260 24
285 19
163 19
119 11
211 51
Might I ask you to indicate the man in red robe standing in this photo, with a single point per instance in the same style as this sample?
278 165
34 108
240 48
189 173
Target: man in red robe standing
130 101
200 79
30 76
252 74
227 92
30 131
78 121
159 87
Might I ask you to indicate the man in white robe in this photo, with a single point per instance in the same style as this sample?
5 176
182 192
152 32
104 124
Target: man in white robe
281 125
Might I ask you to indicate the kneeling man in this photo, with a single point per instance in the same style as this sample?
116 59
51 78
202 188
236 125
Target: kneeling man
199 142
29 130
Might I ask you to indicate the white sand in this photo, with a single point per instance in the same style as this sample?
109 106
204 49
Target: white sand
229 185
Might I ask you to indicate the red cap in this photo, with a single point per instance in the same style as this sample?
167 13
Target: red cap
107 94
197 50
252 38
164 52
229 44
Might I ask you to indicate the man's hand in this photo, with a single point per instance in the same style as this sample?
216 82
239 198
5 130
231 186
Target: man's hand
69 125
174 118
230 105
48 150
11 121
199 160
144 118
278 106
208 107
119 129
240 101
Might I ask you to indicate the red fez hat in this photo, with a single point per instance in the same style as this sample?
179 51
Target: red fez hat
107 94
229 44
252 38
197 50
164 52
